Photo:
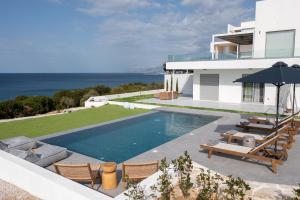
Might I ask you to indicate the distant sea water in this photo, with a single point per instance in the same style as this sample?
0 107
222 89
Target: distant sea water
12 85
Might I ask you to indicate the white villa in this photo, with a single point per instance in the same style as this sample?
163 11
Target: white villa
273 36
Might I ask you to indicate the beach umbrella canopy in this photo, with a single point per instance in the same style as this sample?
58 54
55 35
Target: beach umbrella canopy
279 74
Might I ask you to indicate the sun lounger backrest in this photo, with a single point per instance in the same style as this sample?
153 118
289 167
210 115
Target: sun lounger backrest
139 170
281 130
269 141
75 172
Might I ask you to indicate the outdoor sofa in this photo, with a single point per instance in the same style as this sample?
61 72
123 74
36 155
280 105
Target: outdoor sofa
36 152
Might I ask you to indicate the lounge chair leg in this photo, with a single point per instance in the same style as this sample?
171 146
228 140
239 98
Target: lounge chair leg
210 153
274 166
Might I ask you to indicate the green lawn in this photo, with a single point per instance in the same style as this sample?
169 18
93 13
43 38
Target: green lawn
134 99
46 125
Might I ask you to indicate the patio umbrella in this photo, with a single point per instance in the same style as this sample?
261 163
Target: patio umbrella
279 74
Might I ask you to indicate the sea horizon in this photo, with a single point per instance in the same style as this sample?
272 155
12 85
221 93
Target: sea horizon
46 84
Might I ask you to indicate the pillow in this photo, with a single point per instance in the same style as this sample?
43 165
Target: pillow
19 153
33 157
3 146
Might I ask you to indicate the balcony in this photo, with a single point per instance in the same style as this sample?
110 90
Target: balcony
244 60
276 53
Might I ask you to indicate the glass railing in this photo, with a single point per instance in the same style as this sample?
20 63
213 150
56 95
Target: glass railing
278 53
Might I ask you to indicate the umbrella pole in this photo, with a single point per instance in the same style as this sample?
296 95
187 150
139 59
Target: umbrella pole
293 109
277 113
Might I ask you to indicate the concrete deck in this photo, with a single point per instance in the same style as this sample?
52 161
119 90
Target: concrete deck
188 101
288 173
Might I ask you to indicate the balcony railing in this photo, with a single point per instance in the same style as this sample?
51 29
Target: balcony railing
278 53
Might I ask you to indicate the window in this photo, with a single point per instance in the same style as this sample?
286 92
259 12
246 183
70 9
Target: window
280 44
253 92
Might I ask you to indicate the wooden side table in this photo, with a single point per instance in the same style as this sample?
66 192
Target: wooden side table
109 175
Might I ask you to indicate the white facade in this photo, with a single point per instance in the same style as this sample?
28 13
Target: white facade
244 50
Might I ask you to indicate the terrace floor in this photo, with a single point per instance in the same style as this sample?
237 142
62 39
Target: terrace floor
188 101
288 173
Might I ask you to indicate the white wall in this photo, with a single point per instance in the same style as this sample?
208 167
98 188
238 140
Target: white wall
228 91
185 83
274 15
43 183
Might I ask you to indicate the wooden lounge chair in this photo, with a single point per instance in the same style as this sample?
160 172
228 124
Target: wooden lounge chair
234 135
256 123
79 172
138 171
264 127
247 152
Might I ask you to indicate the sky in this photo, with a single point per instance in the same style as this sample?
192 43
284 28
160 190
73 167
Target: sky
89 36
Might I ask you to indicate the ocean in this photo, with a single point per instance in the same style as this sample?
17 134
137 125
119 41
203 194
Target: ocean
12 85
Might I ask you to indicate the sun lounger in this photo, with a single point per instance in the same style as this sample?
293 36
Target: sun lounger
138 171
246 152
20 142
264 127
268 126
233 135
79 172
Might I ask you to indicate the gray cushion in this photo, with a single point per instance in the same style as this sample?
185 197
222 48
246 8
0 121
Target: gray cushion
19 153
33 158
20 142
46 150
3 146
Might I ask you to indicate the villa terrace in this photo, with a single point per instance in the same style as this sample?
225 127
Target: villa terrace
227 165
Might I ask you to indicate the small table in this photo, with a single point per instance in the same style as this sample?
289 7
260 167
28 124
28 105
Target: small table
109 175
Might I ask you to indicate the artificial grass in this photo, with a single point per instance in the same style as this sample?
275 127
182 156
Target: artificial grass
134 99
52 124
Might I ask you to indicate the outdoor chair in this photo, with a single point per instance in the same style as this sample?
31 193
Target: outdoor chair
79 172
261 152
135 172
234 135
267 120
265 127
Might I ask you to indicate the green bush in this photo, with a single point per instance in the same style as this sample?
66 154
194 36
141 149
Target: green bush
11 109
28 106
37 105
90 93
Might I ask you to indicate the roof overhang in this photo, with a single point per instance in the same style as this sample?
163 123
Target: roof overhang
242 38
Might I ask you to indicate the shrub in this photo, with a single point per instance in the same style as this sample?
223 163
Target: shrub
135 191
208 184
164 184
236 189
102 89
11 109
183 166
38 105
297 193
21 98
90 93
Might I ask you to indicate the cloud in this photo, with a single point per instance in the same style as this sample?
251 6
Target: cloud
172 31
111 7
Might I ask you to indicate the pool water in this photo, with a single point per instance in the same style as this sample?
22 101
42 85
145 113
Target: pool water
123 140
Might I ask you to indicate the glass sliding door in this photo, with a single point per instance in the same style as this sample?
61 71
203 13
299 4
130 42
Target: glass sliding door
253 92
280 44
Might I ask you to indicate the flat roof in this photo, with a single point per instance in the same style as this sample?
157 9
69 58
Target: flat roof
242 38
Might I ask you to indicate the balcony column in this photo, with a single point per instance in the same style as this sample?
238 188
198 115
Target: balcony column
238 51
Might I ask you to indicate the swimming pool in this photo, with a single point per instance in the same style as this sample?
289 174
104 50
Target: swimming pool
123 140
